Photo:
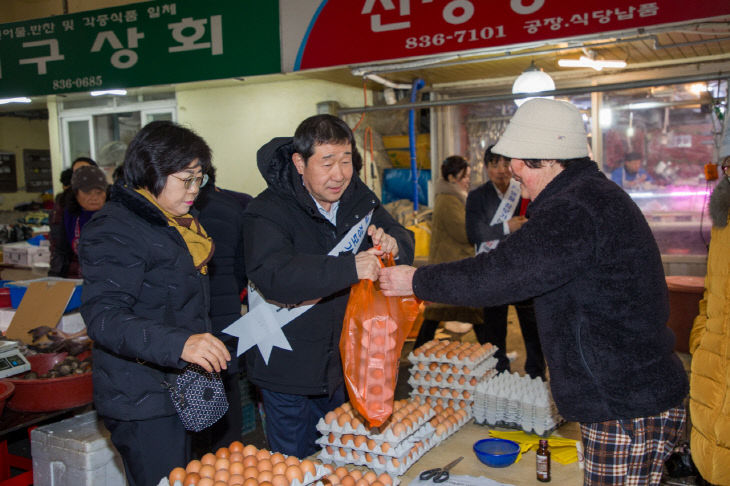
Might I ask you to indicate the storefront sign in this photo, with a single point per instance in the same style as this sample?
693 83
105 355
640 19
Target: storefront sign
321 33
140 44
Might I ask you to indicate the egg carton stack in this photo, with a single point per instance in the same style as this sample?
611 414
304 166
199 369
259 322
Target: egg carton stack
519 402
444 423
391 448
446 372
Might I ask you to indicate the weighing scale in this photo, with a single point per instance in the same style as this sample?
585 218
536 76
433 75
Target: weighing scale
12 361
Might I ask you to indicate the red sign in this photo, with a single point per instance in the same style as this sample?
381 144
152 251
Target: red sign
359 31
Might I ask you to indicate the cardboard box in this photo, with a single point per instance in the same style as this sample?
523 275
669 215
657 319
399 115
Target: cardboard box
75 452
398 149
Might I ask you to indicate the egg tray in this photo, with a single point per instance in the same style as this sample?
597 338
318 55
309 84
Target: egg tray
442 399
470 363
396 450
404 463
394 481
446 369
387 436
454 385
320 472
429 430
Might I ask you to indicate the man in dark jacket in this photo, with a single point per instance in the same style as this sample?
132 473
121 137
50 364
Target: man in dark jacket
221 214
493 212
589 259
313 200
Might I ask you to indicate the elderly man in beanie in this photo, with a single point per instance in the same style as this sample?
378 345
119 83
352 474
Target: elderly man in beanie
89 187
587 257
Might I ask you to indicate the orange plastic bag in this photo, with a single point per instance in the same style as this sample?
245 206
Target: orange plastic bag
373 333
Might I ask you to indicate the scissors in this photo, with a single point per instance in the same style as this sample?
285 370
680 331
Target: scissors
439 475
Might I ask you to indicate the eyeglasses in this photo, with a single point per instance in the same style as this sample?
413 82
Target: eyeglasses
198 181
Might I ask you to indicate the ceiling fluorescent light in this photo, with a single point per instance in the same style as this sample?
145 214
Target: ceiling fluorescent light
597 64
5 101
118 92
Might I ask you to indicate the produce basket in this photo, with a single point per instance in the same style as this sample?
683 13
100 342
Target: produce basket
50 394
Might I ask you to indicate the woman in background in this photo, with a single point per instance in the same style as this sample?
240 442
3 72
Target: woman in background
146 298
449 241
88 195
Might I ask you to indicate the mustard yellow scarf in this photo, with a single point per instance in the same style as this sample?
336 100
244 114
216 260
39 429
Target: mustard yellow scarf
199 244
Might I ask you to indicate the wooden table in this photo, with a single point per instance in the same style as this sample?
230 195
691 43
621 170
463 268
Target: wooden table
518 474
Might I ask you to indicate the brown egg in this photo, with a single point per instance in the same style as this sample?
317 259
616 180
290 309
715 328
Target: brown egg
356 474
250 482
385 446
265 476
177 474
355 456
235 457
308 466
277 457
279 468
236 480
330 450
249 450
362 482
376 483
346 406
360 440
333 479
222 475
293 472
346 439
205 482
347 481
291 461
355 423
330 417
192 479
235 446
250 472
370 476
440 429
343 419
236 468
223 452
263 454
220 483
193 466
341 472
206 471
208 458
222 463
250 461
371 444
265 465
279 480
385 479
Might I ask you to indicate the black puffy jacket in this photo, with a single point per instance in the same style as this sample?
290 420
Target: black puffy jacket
142 299
286 241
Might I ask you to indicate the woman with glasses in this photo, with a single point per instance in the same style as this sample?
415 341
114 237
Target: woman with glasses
146 298
709 343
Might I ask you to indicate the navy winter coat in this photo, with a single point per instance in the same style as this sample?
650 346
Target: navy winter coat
590 261
142 299
286 244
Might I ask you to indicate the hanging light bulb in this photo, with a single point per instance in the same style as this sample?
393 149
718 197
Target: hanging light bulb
532 80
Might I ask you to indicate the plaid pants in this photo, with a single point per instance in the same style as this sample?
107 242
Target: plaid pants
630 452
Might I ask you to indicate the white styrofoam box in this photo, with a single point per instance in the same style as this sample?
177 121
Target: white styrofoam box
75 452
23 253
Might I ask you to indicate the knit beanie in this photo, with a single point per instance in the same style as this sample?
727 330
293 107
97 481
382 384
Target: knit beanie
87 178
544 129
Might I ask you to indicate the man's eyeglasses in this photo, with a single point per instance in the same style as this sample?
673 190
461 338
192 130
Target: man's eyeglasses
188 182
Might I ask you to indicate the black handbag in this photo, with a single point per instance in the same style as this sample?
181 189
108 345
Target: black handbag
198 397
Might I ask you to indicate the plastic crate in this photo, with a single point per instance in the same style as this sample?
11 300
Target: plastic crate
249 418
18 288
75 452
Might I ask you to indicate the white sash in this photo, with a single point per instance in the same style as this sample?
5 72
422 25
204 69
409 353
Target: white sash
504 212
261 326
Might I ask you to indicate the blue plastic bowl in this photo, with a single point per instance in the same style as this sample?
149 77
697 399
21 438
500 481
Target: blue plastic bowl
497 452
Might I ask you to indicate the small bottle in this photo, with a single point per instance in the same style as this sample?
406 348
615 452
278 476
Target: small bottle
543 462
